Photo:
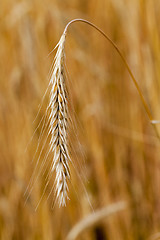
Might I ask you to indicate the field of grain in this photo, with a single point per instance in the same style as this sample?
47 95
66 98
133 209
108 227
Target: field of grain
114 148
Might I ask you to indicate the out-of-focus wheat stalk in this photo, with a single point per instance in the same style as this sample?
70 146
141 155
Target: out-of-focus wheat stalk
95 218
155 236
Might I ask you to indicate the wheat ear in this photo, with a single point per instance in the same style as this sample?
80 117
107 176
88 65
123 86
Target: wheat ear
59 115
58 125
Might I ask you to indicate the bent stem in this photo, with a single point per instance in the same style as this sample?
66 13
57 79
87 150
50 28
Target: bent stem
95 218
149 114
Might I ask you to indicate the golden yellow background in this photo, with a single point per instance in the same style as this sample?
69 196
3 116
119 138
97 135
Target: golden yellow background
116 152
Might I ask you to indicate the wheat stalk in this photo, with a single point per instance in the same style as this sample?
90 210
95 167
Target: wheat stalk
58 117
94 218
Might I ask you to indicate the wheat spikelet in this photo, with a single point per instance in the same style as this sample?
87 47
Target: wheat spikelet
58 126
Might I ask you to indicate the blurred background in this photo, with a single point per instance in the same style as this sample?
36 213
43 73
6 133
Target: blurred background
114 148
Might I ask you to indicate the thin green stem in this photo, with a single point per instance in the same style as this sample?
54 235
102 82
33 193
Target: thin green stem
149 114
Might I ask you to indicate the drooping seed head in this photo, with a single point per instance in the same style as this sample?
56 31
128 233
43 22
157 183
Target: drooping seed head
58 125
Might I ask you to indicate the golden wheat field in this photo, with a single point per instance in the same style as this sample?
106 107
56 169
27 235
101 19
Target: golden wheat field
114 189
